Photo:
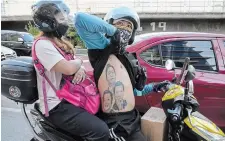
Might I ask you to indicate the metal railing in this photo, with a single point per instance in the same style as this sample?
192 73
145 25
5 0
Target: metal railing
22 7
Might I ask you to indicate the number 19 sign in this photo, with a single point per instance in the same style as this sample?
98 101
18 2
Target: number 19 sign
160 25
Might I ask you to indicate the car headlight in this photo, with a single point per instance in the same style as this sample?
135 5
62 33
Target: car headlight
211 136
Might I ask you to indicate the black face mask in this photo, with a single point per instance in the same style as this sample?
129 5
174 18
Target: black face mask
61 30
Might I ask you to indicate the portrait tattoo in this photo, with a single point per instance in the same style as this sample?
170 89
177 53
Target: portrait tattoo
107 101
118 90
110 75
113 98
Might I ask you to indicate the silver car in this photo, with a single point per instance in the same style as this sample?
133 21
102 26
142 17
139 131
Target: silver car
7 53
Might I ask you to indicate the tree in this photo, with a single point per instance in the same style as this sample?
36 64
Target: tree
71 34
74 37
32 29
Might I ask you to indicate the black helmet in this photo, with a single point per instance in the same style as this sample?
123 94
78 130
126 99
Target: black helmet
50 16
124 13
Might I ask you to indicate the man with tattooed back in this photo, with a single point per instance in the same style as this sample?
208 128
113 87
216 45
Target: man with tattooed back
118 80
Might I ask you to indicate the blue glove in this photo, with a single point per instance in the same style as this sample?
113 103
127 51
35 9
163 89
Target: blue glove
157 87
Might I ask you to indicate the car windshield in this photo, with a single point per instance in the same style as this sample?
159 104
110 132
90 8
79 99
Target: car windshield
28 37
137 39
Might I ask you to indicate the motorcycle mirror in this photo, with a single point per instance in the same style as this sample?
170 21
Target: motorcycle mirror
170 65
190 74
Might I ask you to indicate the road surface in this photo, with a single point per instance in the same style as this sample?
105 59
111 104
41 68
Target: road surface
14 127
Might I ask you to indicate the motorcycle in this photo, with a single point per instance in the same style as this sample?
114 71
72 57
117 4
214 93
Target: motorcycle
184 121
18 78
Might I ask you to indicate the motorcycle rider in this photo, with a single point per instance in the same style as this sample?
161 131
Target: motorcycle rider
113 71
51 18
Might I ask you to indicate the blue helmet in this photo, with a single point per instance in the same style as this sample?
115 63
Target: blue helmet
49 14
124 13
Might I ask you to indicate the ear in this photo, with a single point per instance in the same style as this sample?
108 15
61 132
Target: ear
132 38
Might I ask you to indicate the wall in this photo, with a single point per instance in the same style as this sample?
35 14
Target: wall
213 26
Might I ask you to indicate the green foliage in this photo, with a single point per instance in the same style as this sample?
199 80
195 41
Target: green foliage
74 37
71 34
32 29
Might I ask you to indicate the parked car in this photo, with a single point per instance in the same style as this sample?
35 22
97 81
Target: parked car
7 53
21 42
207 54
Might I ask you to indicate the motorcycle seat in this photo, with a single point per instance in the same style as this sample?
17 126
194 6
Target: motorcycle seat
49 127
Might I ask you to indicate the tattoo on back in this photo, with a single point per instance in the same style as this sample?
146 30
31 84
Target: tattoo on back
113 98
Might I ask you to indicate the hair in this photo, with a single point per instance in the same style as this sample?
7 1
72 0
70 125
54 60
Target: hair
108 92
60 42
107 67
118 83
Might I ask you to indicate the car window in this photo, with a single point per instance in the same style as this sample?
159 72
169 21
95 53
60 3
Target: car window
4 37
200 52
28 37
152 56
224 43
14 37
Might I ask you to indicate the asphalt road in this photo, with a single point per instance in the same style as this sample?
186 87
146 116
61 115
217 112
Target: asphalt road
13 125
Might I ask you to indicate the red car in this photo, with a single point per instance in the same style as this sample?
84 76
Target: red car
207 54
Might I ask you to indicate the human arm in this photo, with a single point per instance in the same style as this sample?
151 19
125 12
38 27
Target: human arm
67 67
93 24
52 60
151 87
146 90
92 30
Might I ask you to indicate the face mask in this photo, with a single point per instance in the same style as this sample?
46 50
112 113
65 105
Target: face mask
62 29
125 36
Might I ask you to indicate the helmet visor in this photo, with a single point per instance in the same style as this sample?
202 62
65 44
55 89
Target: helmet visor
56 9
61 18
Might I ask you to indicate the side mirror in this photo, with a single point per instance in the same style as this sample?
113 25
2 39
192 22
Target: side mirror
170 65
20 40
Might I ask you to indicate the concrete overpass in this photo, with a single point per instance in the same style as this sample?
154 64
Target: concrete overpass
156 15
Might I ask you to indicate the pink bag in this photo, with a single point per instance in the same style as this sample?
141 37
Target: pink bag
84 94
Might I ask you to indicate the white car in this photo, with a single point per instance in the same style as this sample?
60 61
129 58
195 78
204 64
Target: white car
7 53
